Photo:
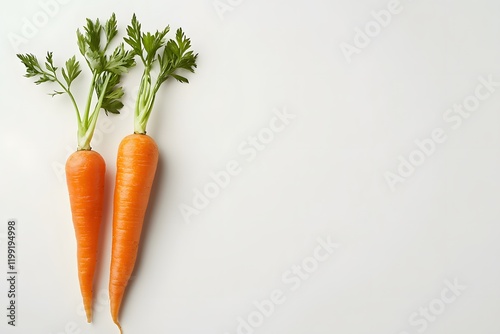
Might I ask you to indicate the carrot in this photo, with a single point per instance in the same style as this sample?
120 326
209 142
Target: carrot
85 169
85 172
136 168
138 153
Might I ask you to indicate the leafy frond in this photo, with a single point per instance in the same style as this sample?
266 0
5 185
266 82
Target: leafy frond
172 56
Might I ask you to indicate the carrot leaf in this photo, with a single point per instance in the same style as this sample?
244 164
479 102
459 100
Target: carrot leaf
106 68
170 56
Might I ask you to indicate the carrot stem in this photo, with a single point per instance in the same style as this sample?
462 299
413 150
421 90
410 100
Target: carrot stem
85 137
89 99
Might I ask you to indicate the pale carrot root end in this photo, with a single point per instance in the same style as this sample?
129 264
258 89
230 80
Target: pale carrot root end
114 303
117 323
87 305
88 312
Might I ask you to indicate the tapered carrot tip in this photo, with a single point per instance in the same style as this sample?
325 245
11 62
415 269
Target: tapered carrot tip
87 305
118 325
88 312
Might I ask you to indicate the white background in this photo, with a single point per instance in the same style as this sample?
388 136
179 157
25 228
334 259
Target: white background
323 175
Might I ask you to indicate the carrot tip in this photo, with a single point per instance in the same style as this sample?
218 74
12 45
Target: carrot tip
118 324
89 315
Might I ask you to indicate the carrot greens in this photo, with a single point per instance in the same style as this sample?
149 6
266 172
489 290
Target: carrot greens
106 69
154 51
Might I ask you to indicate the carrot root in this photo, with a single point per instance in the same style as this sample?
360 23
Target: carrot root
136 167
85 173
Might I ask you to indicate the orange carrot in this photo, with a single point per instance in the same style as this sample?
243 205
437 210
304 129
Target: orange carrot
85 172
138 153
136 168
85 169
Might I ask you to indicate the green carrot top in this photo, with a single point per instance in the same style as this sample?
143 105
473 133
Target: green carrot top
106 68
170 56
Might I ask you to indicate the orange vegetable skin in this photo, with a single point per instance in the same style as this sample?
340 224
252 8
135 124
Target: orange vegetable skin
136 167
85 173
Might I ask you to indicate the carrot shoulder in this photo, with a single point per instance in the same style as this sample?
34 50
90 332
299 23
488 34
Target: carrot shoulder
85 174
136 167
